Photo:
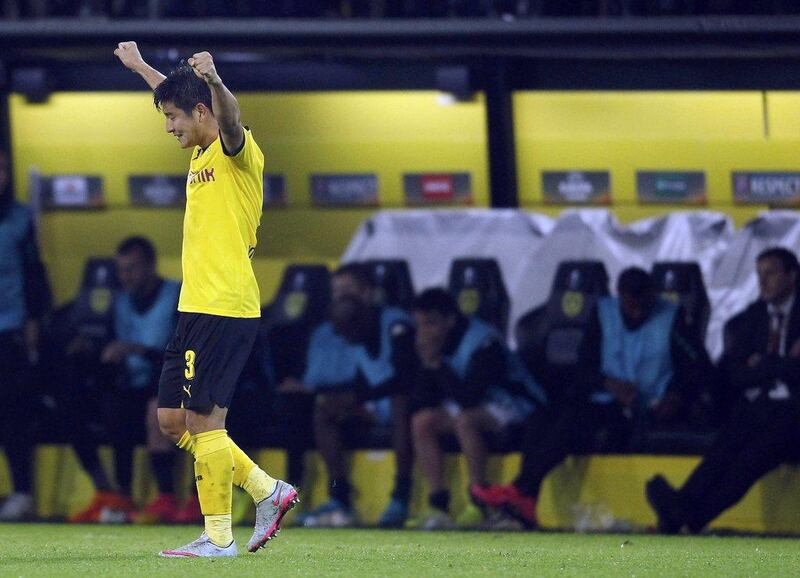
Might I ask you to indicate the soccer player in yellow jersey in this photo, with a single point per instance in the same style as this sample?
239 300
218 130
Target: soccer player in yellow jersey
219 304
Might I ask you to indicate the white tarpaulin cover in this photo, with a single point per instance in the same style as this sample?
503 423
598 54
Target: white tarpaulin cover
530 246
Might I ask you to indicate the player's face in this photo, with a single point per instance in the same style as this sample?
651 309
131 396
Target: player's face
184 127
134 272
349 286
350 318
635 310
432 326
774 282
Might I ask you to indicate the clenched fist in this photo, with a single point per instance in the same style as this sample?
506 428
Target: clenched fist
129 54
203 65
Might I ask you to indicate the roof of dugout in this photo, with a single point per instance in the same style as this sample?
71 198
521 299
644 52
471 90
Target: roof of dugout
616 53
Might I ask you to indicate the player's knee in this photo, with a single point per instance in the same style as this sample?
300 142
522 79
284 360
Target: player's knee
324 422
467 421
171 424
326 411
203 421
170 431
423 423
155 439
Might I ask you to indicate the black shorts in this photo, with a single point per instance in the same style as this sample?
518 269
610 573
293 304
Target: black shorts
203 361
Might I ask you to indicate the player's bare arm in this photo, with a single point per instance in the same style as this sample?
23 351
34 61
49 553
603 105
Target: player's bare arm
129 55
223 103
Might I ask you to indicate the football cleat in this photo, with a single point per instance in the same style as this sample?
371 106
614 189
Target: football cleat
437 520
269 513
190 513
18 507
521 507
331 514
161 510
395 514
489 496
104 507
203 547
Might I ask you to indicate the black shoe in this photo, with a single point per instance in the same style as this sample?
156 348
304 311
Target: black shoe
667 505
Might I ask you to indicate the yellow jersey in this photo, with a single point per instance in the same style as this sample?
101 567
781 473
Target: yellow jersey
224 197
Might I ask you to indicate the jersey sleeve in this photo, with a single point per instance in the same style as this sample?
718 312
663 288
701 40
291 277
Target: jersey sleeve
249 156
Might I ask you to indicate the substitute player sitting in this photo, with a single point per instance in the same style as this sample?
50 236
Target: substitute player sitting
219 304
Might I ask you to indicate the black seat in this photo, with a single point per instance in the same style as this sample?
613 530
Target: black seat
577 287
89 318
91 312
300 304
477 285
393 281
555 340
303 296
682 283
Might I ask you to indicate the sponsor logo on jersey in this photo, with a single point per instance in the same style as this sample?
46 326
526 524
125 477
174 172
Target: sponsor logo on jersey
202 176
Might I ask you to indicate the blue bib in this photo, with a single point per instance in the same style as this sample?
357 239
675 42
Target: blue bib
642 356
331 360
13 232
152 328
378 370
477 334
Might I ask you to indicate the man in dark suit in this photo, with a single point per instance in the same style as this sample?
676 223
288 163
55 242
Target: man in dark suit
763 431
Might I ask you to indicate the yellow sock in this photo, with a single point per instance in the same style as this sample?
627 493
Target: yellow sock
213 469
186 442
248 476
219 526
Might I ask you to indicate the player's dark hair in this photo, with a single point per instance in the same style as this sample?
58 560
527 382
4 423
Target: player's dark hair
436 300
785 256
184 89
635 282
361 273
141 244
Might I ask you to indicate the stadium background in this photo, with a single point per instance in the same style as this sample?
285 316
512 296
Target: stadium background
706 121
115 135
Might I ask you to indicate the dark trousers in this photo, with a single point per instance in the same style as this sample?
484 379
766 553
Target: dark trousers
342 416
550 436
757 438
98 413
15 410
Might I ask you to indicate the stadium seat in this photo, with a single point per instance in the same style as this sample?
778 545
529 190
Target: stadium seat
393 280
682 283
302 297
90 313
300 304
550 338
90 316
477 285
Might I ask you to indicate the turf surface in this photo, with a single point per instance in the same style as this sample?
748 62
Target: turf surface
88 551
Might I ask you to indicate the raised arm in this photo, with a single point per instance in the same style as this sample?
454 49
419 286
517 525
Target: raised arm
129 55
223 103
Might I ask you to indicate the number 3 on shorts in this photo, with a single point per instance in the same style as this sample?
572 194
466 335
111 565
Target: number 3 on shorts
189 371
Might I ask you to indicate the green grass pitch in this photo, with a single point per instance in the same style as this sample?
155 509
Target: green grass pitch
89 551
